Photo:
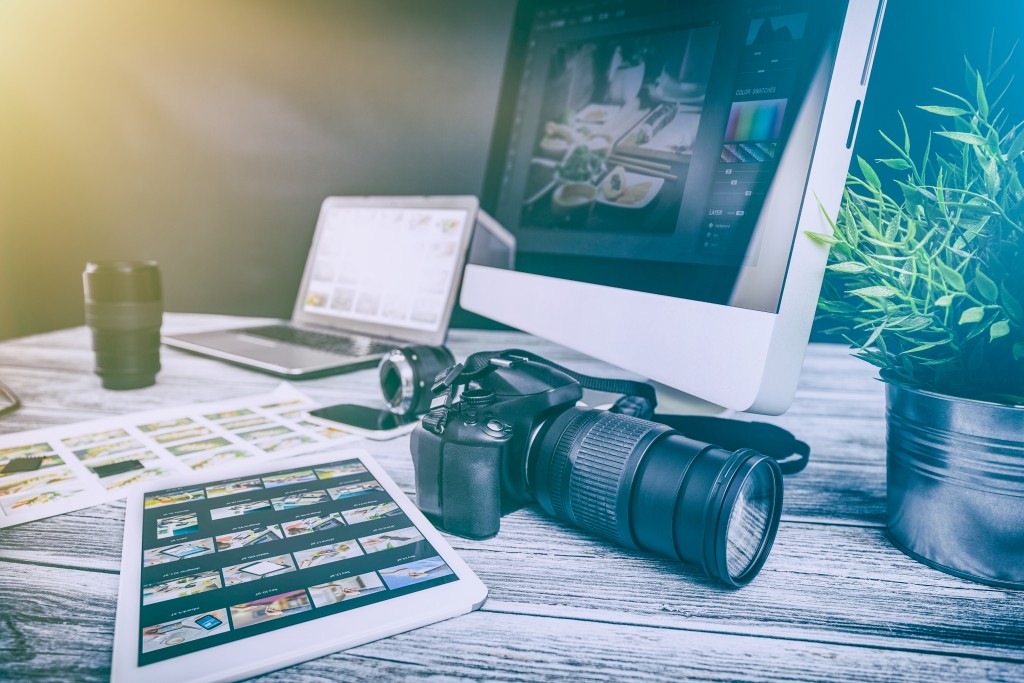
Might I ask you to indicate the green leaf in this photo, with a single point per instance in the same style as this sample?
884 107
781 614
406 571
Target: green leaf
1016 147
944 111
972 315
966 138
911 194
1011 305
982 100
998 329
992 178
945 300
1018 351
952 277
848 267
986 287
897 164
869 174
875 292
821 237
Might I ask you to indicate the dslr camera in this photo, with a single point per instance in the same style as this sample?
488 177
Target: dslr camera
505 430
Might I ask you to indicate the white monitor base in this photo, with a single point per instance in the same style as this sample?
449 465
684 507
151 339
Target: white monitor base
674 402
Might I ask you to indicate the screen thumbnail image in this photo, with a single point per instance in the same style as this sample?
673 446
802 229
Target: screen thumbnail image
272 607
368 513
310 525
180 587
239 509
177 525
297 500
177 551
341 469
325 554
285 478
178 631
391 539
249 537
258 569
411 573
350 490
155 500
345 589
233 487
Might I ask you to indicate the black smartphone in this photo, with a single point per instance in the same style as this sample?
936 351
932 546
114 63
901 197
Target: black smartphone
372 423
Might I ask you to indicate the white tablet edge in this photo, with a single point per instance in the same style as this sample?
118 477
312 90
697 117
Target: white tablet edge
299 642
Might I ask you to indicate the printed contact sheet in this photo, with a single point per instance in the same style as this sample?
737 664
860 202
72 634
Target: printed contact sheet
233 558
56 470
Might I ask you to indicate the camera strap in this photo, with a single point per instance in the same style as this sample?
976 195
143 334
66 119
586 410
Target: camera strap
639 399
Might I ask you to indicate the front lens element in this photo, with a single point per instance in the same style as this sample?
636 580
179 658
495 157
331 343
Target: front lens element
749 521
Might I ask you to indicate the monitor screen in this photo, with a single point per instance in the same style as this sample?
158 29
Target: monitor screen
662 146
384 265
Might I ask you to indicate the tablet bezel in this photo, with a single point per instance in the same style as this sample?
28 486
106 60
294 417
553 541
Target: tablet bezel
299 642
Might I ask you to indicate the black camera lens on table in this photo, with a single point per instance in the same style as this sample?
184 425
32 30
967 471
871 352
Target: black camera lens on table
515 435
407 374
124 310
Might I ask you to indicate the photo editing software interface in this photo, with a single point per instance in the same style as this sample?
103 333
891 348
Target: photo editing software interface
642 138
390 266
245 556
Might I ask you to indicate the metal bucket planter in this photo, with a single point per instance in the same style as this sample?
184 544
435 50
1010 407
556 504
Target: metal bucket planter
956 484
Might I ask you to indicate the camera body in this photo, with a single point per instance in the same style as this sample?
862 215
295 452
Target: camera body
486 441
505 430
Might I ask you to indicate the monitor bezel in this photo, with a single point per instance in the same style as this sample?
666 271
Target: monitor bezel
738 358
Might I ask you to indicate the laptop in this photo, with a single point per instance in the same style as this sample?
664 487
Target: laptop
382 272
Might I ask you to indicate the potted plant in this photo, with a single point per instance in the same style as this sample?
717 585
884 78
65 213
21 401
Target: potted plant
926 280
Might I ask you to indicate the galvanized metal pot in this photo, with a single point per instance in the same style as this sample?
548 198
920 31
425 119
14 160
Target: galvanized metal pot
956 484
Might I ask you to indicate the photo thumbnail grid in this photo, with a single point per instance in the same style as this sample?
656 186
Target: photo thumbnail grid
182 533
53 470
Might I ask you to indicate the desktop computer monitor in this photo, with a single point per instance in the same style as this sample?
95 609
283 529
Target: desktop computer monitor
659 164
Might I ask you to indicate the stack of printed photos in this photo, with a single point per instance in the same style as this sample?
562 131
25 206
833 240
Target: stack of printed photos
52 471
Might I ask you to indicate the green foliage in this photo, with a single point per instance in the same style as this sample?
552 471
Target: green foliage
929 285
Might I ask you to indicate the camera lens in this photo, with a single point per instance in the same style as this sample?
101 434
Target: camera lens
645 485
406 375
124 310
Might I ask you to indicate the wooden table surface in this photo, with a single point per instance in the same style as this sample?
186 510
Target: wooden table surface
835 600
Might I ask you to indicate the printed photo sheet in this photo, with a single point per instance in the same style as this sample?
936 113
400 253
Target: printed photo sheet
51 471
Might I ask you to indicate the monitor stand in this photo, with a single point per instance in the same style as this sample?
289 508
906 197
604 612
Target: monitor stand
670 401
674 402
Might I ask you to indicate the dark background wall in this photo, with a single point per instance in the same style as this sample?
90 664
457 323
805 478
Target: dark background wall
205 134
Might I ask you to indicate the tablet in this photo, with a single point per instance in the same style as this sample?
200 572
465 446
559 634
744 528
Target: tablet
225 579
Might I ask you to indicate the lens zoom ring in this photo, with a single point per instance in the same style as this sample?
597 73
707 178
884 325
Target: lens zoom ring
561 464
598 469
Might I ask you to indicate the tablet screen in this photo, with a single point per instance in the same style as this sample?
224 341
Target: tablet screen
291 546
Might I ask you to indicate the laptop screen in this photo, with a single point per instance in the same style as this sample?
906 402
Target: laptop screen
386 265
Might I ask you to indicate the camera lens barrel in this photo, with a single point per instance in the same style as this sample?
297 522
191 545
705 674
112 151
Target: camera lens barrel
124 310
406 375
644 485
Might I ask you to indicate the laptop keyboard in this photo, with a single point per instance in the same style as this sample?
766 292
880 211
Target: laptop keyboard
349 345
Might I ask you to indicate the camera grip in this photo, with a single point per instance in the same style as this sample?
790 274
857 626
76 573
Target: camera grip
470 490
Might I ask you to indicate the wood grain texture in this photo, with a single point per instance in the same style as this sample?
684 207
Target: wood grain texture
835 600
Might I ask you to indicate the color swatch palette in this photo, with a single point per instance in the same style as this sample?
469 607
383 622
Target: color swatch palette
755 120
